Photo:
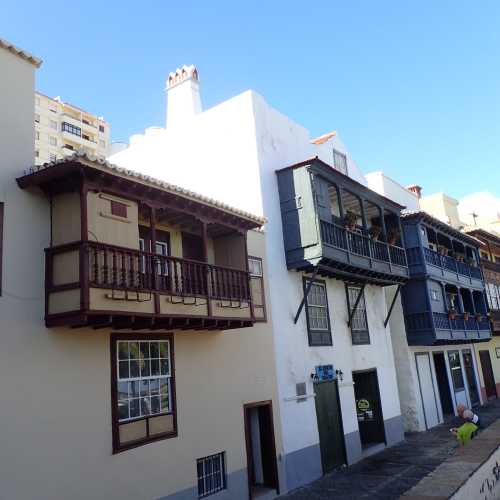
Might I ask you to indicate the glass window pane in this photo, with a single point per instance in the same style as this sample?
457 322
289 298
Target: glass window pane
134 369
123 371
165 369
155 367
133 389
144 387
154 386
134 408
122 409
134 350
145 406
154 349
145 372
144 348
164 350
122 390
122 350
155 404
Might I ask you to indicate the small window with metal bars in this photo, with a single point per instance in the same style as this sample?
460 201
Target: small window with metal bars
359 322
211 474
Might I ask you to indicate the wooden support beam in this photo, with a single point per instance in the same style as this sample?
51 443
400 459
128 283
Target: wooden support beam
358 298
392 306
306 293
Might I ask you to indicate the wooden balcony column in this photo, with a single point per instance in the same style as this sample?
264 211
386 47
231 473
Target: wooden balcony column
84 236
460 300
204 239
152 236
340 194
363 214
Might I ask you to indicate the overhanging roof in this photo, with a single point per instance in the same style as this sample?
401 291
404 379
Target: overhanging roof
23 54
360 188
420 215
40 175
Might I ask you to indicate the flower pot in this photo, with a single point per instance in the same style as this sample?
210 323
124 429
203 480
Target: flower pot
466 316
451 315
479 317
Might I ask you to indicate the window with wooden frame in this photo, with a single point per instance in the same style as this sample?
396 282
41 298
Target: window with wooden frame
118 209
359 323
211 473
143 389
256 270
317 314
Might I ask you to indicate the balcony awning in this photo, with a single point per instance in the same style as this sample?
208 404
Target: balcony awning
89 166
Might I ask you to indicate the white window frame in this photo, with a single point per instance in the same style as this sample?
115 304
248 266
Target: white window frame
255 267
53 140
53 125
132 380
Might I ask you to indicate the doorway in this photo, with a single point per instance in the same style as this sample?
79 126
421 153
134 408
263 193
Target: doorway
368 408
470 377
261 450
330 428
489 378
443 385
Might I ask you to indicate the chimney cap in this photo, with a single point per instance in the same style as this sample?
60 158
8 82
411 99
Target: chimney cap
415 189
182 74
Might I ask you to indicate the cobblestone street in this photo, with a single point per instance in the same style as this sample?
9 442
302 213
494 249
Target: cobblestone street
390 473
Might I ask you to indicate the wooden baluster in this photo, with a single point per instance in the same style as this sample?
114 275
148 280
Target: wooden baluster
132 271
115 271
95 263
105 273
124 270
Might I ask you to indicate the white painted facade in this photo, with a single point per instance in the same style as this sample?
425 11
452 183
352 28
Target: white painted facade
231 152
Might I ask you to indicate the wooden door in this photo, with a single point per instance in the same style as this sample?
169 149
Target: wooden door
330 429
489 379
368 408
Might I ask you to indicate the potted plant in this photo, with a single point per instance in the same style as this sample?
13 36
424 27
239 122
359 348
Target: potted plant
350 219
451 314
374 232
479 317
393 235
460 257
466 316
470 261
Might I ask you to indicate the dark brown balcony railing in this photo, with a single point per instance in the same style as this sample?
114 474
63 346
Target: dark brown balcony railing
361 244
127 269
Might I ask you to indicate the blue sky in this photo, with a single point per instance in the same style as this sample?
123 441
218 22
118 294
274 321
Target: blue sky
412 87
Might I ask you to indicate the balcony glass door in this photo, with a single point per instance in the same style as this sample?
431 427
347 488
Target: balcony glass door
457 377
470 377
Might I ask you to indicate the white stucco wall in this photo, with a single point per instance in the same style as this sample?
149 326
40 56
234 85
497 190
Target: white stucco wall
384 185
231 152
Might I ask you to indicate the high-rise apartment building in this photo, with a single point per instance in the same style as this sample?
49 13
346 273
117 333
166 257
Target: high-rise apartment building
62 128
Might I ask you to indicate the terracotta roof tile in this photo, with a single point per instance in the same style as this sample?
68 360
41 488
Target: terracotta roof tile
21 53
83 157
323 138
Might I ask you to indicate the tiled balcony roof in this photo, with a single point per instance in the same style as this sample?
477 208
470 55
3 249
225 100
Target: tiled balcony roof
442 226
83 158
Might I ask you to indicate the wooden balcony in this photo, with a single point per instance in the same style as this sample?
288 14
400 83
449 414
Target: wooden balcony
357 253
424 261
338 227
435 328
101 285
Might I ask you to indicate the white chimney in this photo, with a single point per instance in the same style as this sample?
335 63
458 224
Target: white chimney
183 95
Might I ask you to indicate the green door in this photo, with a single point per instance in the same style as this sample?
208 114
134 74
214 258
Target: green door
331 433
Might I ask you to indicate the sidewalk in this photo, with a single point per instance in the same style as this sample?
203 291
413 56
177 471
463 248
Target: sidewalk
392 472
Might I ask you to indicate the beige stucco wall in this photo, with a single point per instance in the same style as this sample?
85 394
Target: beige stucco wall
55 406
495 362
65 218
106 228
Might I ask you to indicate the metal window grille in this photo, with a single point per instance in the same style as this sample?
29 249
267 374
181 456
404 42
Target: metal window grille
359 324
211 474
339 162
